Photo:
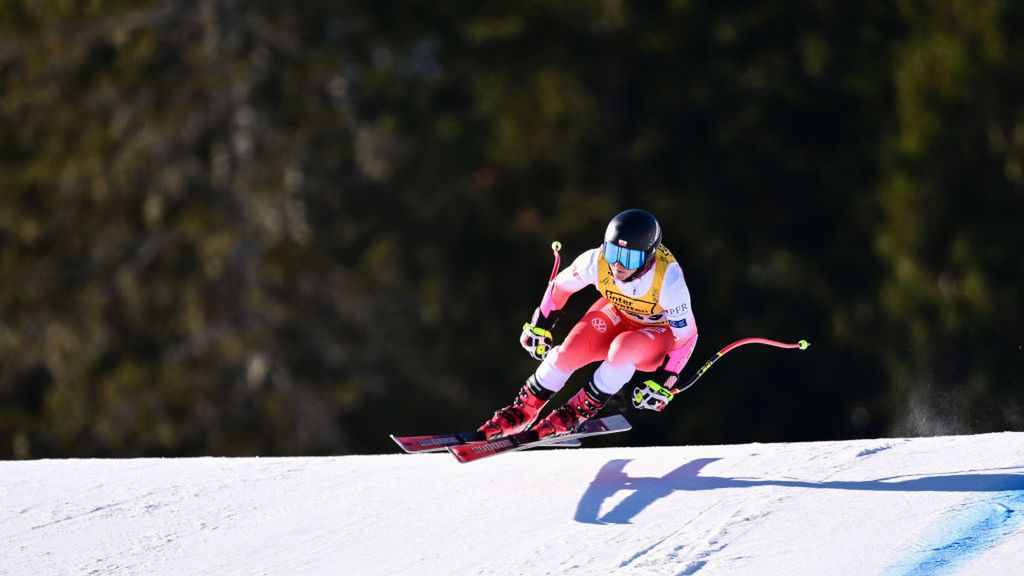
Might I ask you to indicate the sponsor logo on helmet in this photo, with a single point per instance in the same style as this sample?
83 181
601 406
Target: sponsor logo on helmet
677 323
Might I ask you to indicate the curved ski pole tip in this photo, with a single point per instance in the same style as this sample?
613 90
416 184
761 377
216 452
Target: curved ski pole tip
804 344
556 245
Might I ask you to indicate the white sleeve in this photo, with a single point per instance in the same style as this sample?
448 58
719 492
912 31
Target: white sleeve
675 300
580 273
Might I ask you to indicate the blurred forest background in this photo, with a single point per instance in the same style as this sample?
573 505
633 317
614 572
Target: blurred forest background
238 228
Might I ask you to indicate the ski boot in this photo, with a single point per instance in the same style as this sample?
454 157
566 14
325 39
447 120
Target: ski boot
583 406
521 413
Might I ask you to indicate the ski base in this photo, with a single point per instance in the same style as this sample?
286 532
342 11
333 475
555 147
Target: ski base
436 442
469 452
439 442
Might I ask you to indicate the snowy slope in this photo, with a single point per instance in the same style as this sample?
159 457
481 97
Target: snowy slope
949 505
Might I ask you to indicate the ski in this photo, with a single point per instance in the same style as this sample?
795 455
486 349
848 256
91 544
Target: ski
468 452
438 442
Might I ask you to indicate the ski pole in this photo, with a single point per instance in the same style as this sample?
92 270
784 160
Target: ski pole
555 247
802 345
538 332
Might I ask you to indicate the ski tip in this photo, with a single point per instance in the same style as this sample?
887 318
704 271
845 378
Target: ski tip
401 444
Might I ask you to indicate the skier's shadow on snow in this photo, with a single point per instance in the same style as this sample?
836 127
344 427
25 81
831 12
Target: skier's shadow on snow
612 479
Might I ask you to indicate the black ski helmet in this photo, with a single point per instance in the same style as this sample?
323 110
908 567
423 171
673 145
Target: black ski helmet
636 229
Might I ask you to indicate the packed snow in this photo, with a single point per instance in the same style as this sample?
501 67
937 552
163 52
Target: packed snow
892 507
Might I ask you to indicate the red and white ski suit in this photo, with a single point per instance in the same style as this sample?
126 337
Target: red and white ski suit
632 326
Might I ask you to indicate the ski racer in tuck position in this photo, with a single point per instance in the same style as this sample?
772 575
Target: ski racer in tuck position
643 322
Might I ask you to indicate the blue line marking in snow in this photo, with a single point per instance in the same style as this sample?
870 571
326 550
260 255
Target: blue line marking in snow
976 528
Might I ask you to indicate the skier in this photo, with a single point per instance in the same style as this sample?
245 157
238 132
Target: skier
642 322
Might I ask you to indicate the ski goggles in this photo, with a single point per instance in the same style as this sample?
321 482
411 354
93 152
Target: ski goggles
631 259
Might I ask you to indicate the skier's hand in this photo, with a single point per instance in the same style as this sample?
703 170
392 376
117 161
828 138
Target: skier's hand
536 340
651 396
655 394
536 337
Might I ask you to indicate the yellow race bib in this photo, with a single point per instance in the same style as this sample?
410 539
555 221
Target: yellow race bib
643 308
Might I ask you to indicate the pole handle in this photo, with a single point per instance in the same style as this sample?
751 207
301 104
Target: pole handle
555 247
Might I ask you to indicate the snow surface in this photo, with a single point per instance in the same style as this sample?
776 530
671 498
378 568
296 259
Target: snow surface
945 505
